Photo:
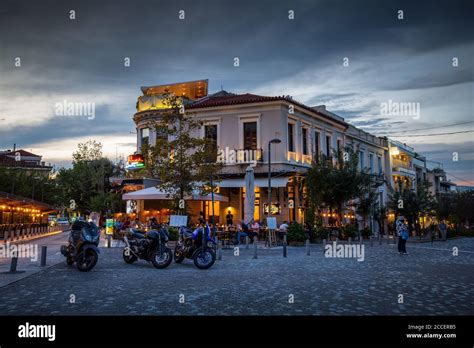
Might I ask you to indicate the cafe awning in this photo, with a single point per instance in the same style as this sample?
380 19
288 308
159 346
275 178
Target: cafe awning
155 193
259 182
8 200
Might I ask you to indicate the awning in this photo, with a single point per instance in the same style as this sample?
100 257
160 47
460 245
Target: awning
155 193
259 182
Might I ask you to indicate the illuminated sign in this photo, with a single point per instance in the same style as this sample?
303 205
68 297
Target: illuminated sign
135 162
276 208
109 226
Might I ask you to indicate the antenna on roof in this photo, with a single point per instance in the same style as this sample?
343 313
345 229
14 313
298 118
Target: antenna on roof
222 88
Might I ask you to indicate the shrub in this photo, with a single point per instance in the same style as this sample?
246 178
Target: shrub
174 234
463 232
349 231
296 233
320 232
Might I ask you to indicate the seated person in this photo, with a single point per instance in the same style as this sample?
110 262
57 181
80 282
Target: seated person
244 231
282 230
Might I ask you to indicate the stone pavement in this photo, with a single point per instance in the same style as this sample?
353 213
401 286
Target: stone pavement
431 280
31 264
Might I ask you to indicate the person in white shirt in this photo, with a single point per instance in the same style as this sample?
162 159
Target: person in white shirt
284 227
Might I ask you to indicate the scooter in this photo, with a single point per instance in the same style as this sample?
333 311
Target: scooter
82 248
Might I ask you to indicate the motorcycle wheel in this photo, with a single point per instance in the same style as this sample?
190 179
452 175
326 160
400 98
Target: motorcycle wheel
130 258
204 260
163 260
178 257
86 260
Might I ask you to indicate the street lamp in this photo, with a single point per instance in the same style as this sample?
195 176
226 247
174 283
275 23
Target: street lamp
273 141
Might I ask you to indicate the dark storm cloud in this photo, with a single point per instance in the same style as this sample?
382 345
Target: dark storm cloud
258 32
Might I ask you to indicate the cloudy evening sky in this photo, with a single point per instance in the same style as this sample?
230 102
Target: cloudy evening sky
81 60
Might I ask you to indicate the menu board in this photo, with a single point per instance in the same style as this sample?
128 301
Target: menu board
272 223
178 220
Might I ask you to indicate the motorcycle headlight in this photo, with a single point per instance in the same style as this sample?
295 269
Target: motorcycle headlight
87 237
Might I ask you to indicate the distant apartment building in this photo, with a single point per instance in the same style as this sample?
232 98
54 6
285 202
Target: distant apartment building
439 184
18 159
403 166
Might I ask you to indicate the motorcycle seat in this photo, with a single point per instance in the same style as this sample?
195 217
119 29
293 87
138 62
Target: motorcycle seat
138 235
186 233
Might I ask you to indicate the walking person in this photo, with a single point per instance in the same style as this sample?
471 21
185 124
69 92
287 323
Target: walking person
402 232
443 229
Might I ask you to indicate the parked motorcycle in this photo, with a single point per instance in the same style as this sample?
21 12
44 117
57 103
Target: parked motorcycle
190 245
83 245
149 246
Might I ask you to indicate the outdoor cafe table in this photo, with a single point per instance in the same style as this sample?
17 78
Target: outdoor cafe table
226 238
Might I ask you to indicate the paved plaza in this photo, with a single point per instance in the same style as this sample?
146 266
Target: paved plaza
431 280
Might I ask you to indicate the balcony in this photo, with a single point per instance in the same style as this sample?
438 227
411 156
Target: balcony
293 156
306 159
398 163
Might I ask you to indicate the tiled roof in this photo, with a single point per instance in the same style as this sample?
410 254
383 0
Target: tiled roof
22 152
247 98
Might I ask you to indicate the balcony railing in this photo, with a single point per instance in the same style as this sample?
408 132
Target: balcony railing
299 158
306 159
396 163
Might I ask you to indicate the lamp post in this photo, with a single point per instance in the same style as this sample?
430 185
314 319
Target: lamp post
273 141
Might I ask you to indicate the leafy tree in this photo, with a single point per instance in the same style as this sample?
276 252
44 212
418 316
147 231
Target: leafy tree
331 183
29 183
411 204
181 159
86 185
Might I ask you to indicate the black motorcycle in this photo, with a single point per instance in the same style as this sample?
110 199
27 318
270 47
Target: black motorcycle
190 245
83 245
149 246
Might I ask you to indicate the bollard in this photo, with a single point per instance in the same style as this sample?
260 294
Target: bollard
307 247
255 247
371 241
361 239
219 251
43 255
349 240
13 264
247 242
109 241
324 242
284 245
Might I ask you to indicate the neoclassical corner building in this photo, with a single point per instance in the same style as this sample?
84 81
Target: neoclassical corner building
244 124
